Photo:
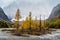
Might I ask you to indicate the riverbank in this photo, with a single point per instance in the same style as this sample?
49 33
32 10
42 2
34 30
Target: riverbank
12 31
55 35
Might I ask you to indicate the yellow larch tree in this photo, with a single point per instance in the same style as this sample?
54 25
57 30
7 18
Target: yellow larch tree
16 21
29 23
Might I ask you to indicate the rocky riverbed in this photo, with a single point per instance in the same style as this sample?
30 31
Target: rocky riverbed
55 35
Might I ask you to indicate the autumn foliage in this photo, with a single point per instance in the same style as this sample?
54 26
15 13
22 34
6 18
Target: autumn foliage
29 25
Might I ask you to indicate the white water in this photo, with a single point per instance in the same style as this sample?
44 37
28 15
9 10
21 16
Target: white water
53 36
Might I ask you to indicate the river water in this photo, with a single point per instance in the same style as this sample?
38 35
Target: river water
55 35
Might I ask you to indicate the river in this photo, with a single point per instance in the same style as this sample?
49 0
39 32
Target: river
55 35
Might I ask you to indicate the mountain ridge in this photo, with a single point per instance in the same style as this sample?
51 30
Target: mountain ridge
3 16
55 12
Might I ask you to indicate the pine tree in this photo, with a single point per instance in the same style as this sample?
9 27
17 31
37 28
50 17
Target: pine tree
44 21
36 21
30 18
16 21
40 22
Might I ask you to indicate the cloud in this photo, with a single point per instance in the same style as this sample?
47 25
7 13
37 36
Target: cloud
37 7
4 3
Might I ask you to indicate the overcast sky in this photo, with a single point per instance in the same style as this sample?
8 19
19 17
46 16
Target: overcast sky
43 7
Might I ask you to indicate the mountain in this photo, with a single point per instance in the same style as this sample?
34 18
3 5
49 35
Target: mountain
3 16
55 12
25 8
10 10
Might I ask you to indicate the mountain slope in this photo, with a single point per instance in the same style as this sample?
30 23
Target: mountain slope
3 16
55 12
